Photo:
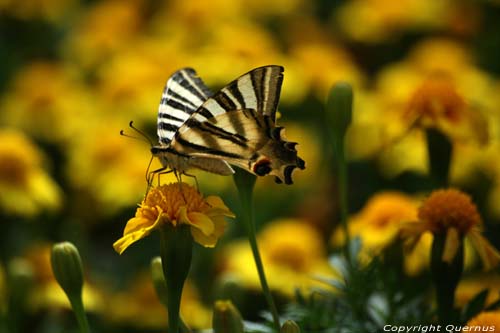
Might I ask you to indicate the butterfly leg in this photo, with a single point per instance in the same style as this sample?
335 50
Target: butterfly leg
195 180
152 174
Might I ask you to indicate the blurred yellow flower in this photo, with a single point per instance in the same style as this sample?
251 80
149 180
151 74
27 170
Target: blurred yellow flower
116 165
25 187
378 224
469 287
327 63
487 321
138 306
103 30
50 10
176 206
293 255
385 19
52 109
451 212
438 86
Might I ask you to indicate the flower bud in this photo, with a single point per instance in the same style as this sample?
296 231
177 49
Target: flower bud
226 318
67 268
290 327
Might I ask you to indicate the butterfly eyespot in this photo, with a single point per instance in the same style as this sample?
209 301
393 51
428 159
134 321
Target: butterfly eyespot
262 168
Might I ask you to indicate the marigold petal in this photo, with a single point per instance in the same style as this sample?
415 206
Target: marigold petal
201 222
451 245
488 254
202 239
135 224
123 243
217 207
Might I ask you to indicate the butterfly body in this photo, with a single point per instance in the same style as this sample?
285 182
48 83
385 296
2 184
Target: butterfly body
236 126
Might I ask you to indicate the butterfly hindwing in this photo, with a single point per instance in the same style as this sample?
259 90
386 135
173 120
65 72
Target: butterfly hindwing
183 94
254 143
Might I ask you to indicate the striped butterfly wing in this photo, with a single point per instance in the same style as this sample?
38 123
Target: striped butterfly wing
183 94
237 125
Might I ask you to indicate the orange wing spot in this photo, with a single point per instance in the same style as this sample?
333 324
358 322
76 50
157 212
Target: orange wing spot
262 167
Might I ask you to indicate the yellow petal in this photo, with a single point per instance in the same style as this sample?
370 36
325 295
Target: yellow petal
202 239
217 207
220 225
488 254
136 223
451 245
201 222
130 238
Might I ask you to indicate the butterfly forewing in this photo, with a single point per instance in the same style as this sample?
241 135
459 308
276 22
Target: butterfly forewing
183 94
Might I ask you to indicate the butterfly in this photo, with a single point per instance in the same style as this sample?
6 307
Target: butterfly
236 126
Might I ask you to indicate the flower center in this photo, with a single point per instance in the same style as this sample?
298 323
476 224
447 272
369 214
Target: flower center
436 99
170 198
13 169
449 208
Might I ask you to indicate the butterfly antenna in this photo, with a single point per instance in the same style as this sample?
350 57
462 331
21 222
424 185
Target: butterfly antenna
140 132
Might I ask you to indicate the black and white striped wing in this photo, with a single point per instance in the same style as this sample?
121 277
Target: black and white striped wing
183 94
258 90
237 125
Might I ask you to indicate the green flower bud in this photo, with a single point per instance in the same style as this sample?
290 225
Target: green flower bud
226 318
290 327
68 271
67 268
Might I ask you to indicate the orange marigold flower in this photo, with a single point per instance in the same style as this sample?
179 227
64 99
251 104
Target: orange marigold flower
488 322
451 212
450 208
177 204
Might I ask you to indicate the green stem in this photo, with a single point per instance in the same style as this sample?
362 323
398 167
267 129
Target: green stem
245 183
342 190
339 116
176 251
81 317
446 277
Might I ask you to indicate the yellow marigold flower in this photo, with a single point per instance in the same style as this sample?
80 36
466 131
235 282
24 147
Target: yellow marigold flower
293 255
25 187
50 10
378 224
46 108
436 86
488 321
137 306
170 204
451 212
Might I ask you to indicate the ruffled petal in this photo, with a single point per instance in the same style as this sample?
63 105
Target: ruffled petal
202 222
123 243
217 207
202 239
